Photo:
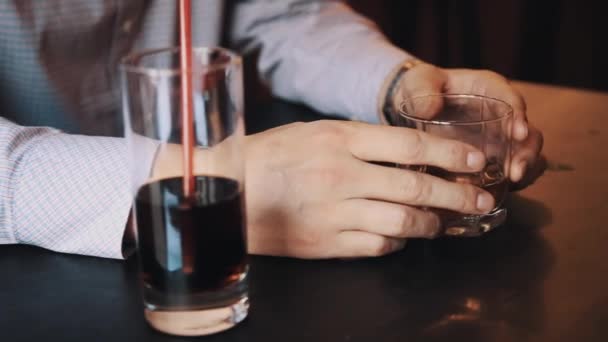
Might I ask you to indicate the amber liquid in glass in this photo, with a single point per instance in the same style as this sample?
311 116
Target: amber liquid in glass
491 179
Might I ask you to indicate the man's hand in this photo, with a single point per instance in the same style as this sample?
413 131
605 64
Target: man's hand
424 79
312 193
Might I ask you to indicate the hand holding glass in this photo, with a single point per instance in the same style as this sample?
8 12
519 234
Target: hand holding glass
482 122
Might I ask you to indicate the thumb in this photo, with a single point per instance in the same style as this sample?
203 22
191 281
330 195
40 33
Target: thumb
421 80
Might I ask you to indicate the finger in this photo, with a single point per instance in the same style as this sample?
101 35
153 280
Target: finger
352 243
388 219
412 147
511 96
423 79
491 84
531 174
424 107
526 154
520 130
418 189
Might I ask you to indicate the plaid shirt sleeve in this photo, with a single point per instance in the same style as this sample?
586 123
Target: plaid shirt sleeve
66 193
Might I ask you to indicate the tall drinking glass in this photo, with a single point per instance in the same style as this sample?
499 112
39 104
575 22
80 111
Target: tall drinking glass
192 248
479 121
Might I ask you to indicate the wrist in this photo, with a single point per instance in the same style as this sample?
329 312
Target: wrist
390 95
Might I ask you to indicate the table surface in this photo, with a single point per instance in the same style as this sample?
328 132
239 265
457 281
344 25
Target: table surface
540 277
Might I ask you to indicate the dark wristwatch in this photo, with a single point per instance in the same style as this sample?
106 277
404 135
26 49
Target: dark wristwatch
390 103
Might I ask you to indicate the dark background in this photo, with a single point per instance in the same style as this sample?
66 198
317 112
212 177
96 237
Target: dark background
559 42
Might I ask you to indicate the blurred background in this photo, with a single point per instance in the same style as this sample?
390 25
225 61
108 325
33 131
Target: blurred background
558 42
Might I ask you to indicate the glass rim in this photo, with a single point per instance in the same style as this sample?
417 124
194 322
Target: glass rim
127 63
508 113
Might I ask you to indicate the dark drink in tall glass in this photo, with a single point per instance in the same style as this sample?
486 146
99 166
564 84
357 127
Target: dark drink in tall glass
187 180
193 248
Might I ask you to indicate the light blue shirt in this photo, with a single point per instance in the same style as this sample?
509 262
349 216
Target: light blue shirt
59 58
58 68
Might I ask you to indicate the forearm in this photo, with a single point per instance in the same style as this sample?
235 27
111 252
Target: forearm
320 53
63 192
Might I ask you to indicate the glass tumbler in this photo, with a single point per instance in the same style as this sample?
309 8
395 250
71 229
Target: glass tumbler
479 121
191 244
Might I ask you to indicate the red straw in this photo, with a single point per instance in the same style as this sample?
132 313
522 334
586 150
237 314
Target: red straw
185 53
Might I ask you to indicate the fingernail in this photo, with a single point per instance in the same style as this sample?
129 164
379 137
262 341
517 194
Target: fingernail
475 160
485 202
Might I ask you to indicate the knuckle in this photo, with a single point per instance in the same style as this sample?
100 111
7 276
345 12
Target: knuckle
435 224
329 176
327 133
308 241
414 188
469 198
407 221
421 223
414 147
455 154
459 194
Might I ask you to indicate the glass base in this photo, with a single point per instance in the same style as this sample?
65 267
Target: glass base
475 225
198 322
